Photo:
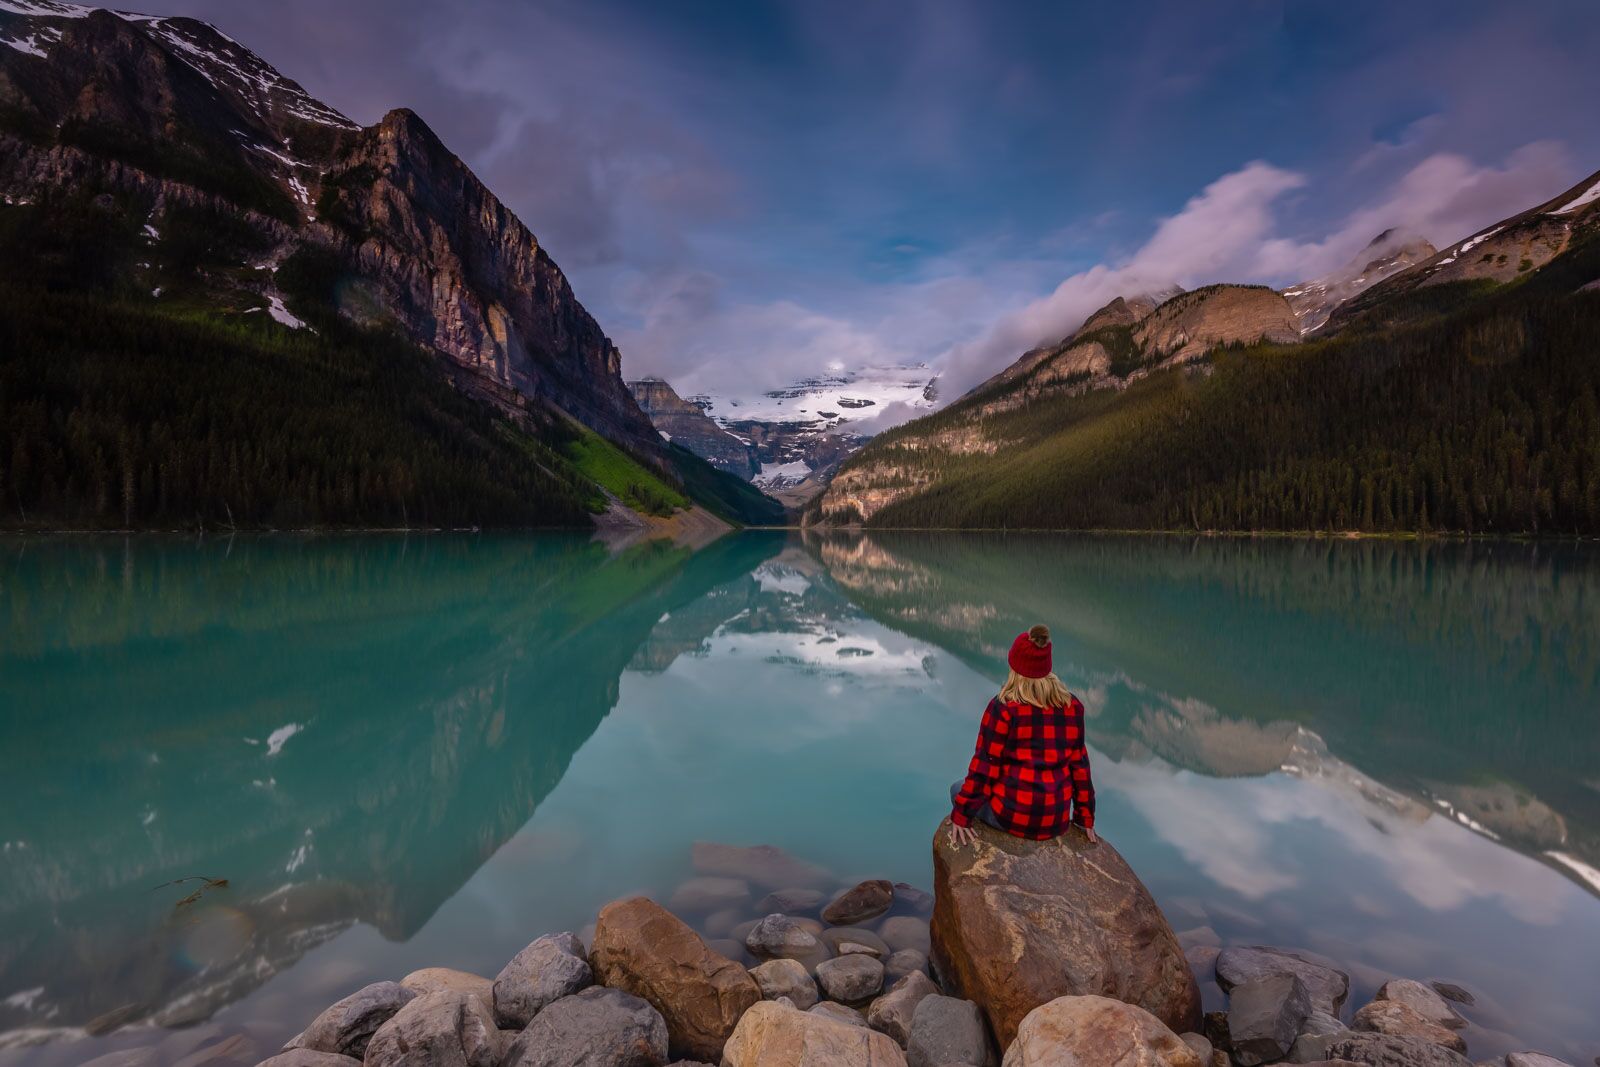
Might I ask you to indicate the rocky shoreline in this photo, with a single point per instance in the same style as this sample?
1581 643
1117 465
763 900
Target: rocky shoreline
1026 954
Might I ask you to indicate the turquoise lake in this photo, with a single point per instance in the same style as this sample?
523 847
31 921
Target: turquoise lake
417 751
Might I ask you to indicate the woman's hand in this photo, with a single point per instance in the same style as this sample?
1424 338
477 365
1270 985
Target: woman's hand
1093 837
962 835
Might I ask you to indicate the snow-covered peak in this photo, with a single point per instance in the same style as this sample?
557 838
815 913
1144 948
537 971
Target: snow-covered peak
1386 255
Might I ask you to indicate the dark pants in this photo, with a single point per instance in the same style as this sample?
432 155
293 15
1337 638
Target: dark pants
985 814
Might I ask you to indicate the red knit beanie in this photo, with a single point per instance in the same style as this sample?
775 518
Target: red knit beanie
1030 653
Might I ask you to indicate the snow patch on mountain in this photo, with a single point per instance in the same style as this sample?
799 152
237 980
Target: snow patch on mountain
1582 200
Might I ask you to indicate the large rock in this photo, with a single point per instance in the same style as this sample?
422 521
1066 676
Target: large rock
1326 985
643 949
772 1035
892 1013
948 1031
1393 1017
861 902
1265 1017
1019 923
1423 1000
550 968
434 979
595 1028
829 1009
786 978
1094 1031
783 937
852 979
1390 1050
761 865
444 1029
295 1057
346 1026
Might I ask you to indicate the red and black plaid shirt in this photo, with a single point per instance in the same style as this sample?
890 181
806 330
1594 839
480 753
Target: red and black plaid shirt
1031 767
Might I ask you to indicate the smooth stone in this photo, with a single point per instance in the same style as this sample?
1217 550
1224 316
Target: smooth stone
708 893
946 1030
433 979
912 899
1019 923
1401 1020
347 1025
892 1013
850 979
782 936
295 1057
1198 1044
771 1035
643 949
444 1029
863 901
852 948
1536 1059
906 961
1326 985
1423 1000
765 866
792 902
834 936
598 1027
1093 1032
1451 991
1265 1016
840 1012
905 931
549 968
1390 1050
786 978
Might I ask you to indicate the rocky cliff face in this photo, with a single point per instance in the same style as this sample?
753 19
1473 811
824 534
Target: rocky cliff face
689 425
1190 325
1386 255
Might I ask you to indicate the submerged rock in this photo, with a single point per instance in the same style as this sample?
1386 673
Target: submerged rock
912 899
906 961
1093 1031
905 931
783 936
1393 1017
761 865
347 1025
598 1027
852 979
1265 1017
444 1029
1423 1000
792 902
836 937
771 1035
861 902
643 949
708 893
552 967
892 1013
946 1030
1537 1059
1326 986
786 978
1017 924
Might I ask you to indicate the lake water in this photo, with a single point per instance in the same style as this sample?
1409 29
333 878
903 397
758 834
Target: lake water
402 752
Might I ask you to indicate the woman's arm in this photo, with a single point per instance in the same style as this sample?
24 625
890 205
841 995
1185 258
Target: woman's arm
993 737
1082 776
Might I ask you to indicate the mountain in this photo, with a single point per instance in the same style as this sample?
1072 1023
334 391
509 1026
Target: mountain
688 425
1386 255
1457 394
161 179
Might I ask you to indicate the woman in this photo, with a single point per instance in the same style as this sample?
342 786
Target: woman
1030 767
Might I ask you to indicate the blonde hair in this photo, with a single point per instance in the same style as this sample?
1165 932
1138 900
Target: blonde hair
1046 692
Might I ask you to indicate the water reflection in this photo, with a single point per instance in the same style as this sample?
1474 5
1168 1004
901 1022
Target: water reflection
415 752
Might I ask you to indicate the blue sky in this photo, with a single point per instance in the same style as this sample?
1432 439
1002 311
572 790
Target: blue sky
741 192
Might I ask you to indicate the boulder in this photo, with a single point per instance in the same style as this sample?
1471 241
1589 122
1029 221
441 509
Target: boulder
598 1027
1452 992
782 937
443 1029
1317 1034
838 1012
1390 1050
295 1057
771 1035
1018 923
347 1025
434 979
906 961
1423 1000
835 937
853 979
866 900
1401 1020
761 865
550 968
1265 1016
909 898
792 902
1536 1059
945 1030
892 1013
1093 1031
1326 985
905 931
707 893
1199 1044
786 978
643 949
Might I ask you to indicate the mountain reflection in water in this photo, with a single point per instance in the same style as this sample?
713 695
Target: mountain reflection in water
408 752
